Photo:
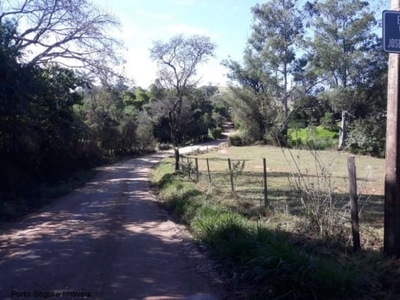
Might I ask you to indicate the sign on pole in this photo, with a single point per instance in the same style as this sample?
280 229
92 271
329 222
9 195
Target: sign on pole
391 31
391 40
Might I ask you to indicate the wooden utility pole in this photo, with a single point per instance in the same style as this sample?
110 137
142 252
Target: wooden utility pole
351 166
392 177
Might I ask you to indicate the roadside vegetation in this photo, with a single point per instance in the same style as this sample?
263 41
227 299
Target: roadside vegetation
312 137
58 121
313 77
64 111
298 247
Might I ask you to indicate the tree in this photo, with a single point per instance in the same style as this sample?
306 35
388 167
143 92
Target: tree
73 33
178 60
277 28
342 49
252 101
268 62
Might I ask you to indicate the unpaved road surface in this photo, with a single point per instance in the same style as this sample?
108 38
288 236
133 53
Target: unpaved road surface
107 240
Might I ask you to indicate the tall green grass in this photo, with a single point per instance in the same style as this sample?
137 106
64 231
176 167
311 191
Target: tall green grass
252 253
317 138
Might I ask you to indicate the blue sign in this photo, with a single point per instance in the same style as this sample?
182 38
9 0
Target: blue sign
391 31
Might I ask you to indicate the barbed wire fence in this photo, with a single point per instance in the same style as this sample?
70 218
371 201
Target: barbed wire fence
228 175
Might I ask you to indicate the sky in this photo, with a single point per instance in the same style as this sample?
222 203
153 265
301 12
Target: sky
226 22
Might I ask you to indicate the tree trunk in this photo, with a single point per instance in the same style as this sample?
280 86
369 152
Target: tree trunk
342 131
283 136
284 132
176 153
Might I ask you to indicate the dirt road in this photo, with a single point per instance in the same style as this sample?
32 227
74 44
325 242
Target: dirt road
107 240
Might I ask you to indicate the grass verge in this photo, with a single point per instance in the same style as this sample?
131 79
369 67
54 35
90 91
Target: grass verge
275 263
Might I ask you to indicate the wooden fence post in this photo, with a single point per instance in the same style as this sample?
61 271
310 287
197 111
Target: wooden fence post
189 162
265 183
353 202
231 174
208 170
197 169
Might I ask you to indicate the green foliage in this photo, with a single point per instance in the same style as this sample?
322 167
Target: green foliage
260 102
342 69
343 48
317 138
252 254
368 136
215 133
177 60
48 130
196 114
297 123
328 121
218 118
241 138
252 113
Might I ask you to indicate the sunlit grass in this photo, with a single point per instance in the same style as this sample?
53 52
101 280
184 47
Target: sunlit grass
269 249
252 252
283 164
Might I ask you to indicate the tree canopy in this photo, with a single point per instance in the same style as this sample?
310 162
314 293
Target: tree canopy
324 52
178 60
74 33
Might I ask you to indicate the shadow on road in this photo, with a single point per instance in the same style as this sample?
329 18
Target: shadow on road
108 239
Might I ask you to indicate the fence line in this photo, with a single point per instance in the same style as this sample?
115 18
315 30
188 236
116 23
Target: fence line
235 168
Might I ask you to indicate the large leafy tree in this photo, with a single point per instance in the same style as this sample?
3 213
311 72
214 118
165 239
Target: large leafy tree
277 28
39 133
342 48
251 97
41 136
178 60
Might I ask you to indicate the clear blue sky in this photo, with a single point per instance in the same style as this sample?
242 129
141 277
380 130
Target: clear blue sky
227 22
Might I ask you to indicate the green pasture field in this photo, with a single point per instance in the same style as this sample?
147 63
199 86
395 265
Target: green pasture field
287 167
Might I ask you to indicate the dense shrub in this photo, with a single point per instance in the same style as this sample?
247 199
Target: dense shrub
328 121
163 146
215 132
367 136
241 138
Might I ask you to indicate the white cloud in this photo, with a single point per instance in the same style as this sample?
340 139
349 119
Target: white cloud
221 7
127 33
212 72
184 29
140 68
155 15
180 28
183 2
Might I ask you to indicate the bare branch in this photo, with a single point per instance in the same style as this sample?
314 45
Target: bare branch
71 31
178 59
